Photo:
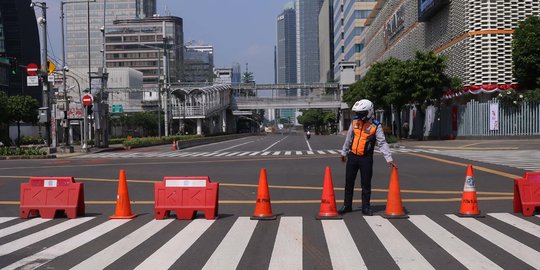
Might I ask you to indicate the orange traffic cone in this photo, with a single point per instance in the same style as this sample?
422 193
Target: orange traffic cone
328 208
394 208
469 203
123 206
263 209
174 148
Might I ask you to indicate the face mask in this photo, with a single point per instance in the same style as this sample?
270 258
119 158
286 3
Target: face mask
362 115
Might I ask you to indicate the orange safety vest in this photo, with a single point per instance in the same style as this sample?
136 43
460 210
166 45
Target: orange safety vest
363 142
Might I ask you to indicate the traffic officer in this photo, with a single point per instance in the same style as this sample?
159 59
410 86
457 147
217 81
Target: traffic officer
358 148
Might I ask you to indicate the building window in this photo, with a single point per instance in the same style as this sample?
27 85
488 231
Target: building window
359 47
342 49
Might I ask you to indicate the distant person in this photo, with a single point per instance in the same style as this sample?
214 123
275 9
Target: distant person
406 130
357 151
308 134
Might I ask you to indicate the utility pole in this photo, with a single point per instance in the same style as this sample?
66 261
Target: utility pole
44 72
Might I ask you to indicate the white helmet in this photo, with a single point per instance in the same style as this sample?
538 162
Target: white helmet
363 105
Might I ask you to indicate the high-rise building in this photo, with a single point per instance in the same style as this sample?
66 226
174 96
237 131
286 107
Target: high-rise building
307 40
140 43
199 63
350 18
286 45
326 41
286 55
78 35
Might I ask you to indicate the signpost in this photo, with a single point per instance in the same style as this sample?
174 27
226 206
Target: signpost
31 69
117 108
87 100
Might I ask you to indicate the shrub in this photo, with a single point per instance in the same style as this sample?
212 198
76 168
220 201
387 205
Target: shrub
7 151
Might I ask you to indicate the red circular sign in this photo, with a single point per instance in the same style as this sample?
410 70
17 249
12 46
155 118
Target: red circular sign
31 69
87 100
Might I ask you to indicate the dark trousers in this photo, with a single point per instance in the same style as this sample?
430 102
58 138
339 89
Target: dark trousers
365 165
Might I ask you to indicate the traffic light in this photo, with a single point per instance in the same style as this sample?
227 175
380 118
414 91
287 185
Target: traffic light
13 66
89 110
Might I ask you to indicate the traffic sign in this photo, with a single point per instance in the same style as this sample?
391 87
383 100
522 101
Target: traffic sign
50 67
31 69
87 100
117 108
32 81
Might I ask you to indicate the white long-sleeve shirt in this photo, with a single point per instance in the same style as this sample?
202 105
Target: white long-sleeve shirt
381 142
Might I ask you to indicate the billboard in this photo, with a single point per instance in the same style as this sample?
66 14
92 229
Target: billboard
427 8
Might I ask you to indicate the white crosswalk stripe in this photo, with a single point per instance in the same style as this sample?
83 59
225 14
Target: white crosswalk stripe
180 154
343 251
230 250
6 219
464 253
401 250
110 254
64 247
25 225
512 246
518 223
522 159
287 251
43 234
169 253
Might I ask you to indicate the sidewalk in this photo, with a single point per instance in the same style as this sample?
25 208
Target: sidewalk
77 150
480 145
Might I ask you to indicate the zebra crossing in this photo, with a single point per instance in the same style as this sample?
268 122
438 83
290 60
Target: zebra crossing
97 243
522 159
182 154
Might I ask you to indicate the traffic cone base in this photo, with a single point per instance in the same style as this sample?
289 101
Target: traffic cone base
263 207
394 208
123 204
328 208
469 203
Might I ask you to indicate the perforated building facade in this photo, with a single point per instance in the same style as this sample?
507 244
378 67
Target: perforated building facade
475 36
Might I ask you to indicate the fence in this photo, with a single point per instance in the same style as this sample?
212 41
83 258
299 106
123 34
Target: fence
476 119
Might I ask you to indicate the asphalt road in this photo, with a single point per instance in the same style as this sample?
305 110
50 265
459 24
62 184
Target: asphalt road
431 178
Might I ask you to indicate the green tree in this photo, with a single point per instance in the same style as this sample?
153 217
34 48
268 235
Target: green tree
22 109
526 53
317 119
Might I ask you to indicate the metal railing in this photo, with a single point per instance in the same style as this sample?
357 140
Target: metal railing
522 120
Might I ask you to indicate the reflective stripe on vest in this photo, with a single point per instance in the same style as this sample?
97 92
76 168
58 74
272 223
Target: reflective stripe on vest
364 137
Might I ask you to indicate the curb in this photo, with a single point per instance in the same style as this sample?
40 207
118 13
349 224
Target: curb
26 157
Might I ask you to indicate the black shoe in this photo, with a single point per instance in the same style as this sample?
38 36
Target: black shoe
367 211
344 209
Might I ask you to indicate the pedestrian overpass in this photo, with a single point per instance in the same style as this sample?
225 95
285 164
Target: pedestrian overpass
207 104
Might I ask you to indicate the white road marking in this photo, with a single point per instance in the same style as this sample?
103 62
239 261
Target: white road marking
276 153
22 226
230 250
66 246
287 153
463 253
401 250
510 245
234 146
6 219
171 251
265 153
268 148
298 153
113 252
287 252
519 223
43 234
343 251
254 153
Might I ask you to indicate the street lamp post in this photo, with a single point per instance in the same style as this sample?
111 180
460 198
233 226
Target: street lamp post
45 97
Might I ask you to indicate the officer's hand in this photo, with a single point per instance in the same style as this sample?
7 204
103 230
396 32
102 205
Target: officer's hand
343 158
392 164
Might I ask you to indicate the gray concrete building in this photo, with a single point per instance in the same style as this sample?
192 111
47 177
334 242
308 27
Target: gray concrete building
140 43
79 35
307 40
286 45
199 63
326 41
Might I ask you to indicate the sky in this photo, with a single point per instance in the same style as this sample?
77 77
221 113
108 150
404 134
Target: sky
242 31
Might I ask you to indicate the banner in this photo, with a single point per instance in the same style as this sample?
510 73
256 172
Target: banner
494 116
